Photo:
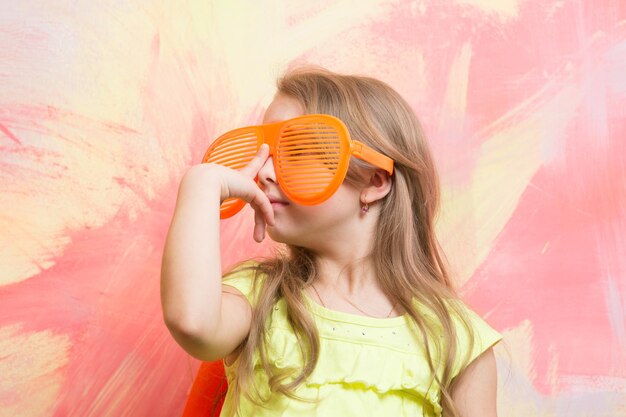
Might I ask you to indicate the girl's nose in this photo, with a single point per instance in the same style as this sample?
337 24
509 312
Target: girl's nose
266 173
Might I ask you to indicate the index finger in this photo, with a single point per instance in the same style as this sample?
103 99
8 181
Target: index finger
257 161
261 202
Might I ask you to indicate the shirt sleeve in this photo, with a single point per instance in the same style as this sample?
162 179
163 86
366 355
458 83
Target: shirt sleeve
485 337
243 278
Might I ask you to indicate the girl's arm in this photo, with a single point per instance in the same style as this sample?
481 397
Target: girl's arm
191 273
474 390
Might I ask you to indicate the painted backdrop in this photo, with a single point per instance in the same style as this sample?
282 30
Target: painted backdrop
104 105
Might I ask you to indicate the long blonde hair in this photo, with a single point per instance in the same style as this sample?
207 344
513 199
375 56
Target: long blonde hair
406 256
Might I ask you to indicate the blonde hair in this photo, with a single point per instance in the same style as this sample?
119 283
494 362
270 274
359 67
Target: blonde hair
406 256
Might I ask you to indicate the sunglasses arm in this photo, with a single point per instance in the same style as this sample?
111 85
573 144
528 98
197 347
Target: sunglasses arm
364 152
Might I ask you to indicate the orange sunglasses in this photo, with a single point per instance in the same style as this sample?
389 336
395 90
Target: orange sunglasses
311 154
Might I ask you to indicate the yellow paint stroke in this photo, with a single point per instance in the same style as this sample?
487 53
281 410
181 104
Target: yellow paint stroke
518 397
513 149
30 367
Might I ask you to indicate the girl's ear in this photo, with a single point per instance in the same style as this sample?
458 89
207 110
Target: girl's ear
379 185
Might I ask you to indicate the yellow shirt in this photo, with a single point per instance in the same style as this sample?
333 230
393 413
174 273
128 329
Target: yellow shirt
367 366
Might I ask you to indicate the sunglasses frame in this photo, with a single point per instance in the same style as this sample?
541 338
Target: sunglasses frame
270 133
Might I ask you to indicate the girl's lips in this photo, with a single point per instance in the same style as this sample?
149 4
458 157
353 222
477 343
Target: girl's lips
274 199
277 204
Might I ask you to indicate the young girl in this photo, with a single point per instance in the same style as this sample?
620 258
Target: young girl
358 316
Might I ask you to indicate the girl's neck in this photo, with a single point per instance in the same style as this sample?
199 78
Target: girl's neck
354 283
370 303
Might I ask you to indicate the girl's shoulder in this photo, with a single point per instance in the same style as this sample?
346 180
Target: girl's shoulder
245 277
474 333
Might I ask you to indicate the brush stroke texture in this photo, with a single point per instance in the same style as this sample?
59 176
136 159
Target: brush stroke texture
104 106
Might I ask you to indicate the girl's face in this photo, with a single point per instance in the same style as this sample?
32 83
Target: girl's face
296 224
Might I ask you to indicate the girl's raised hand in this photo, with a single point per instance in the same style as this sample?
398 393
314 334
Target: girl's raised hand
240 184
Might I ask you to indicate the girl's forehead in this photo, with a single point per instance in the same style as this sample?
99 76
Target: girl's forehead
282 108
